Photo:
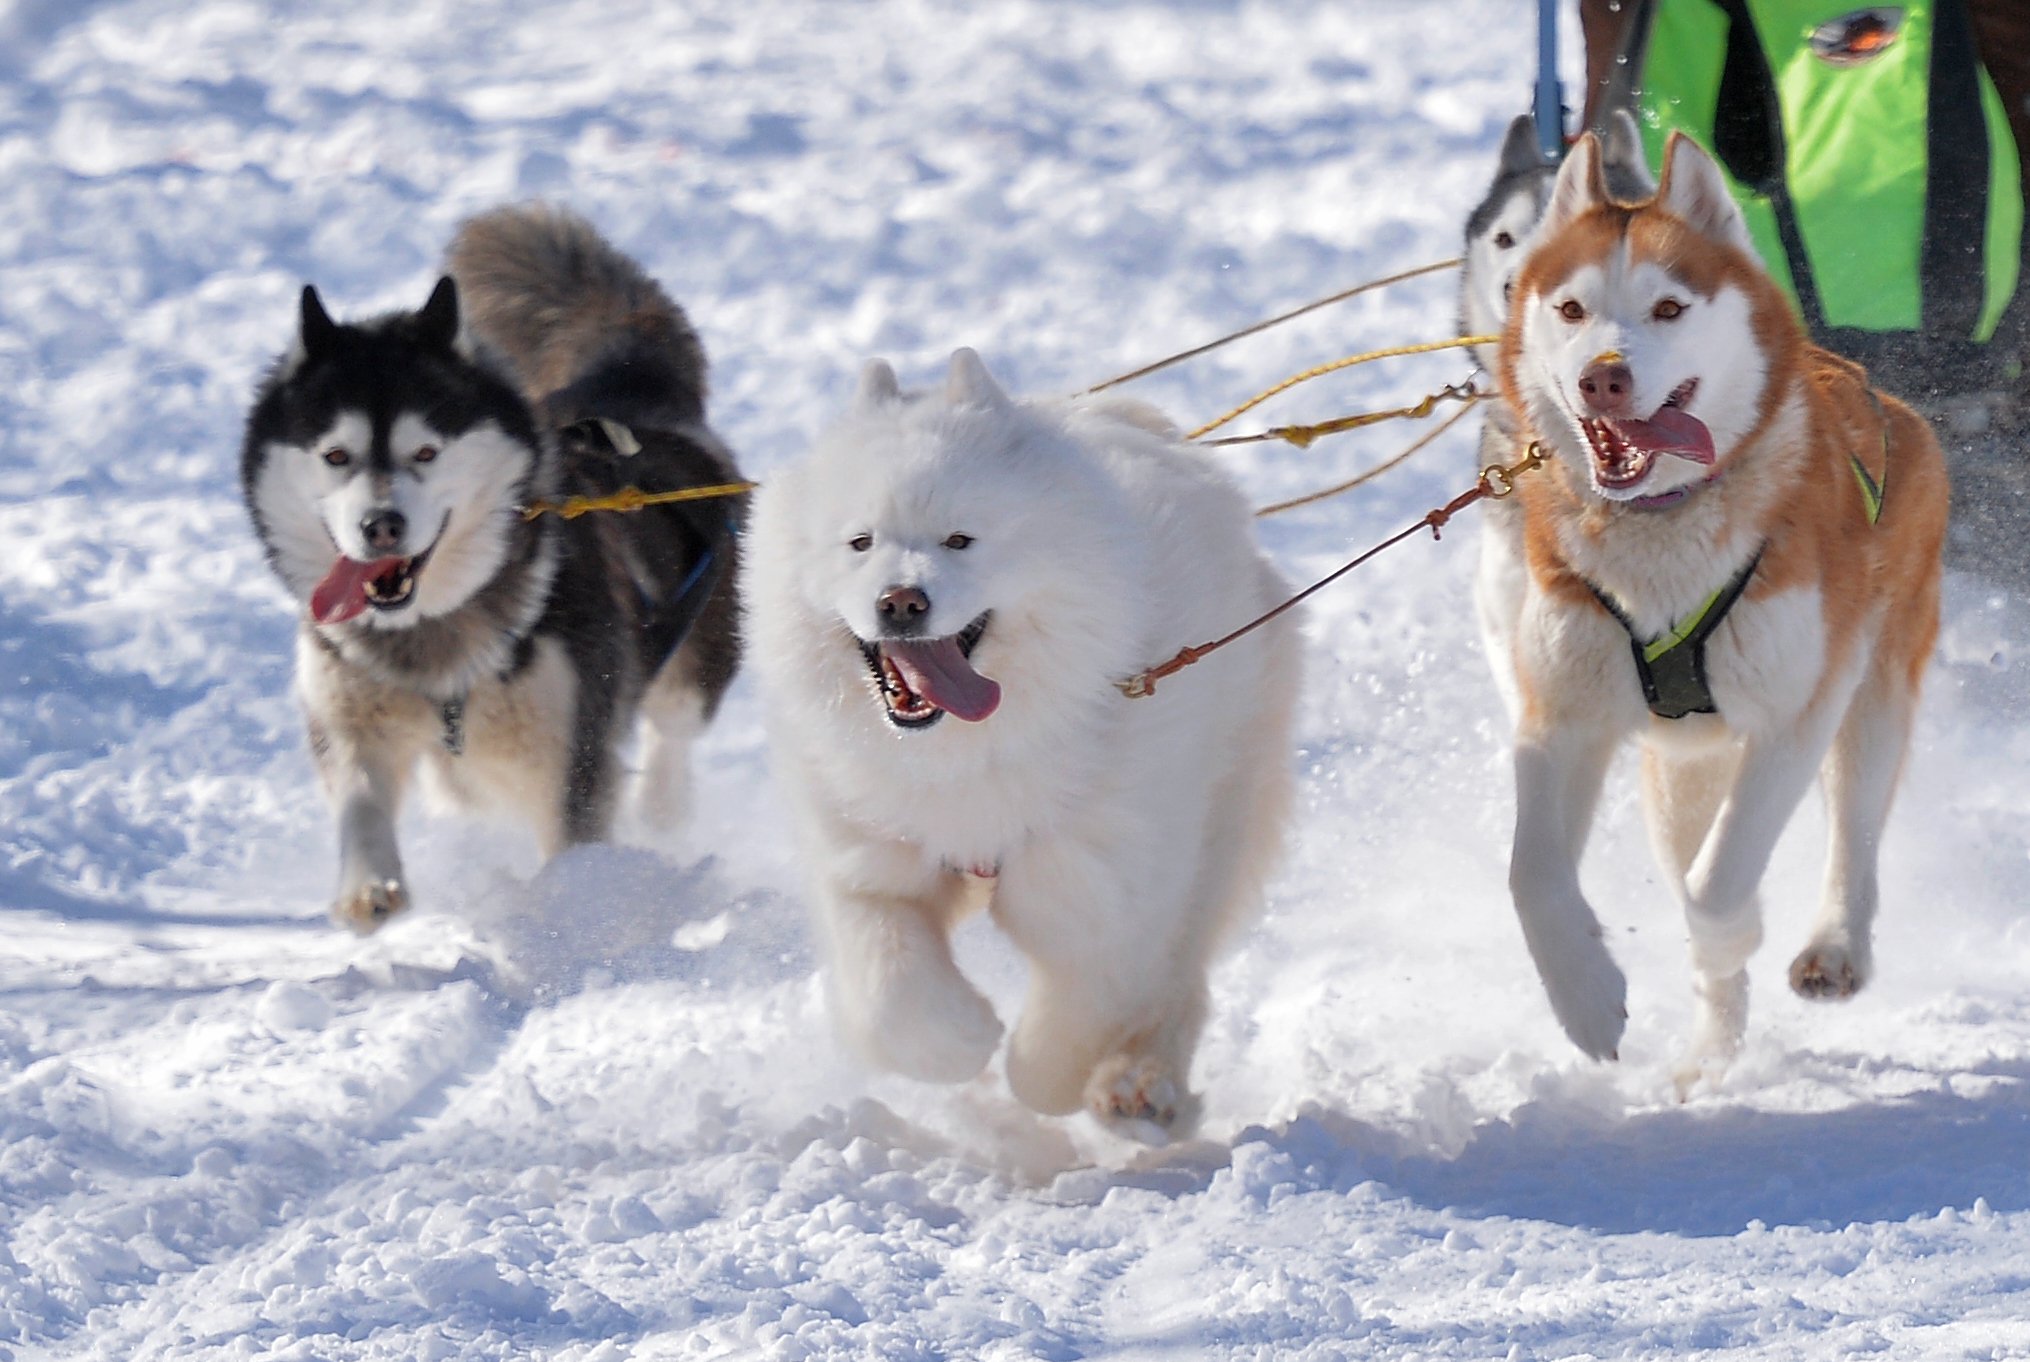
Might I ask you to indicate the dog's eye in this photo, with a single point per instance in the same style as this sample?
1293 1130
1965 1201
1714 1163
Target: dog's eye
860 543
958 541
1572 311
1670 309
1503 240
424 454
337 457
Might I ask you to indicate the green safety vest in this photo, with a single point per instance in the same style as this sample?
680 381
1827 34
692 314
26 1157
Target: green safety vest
1865 183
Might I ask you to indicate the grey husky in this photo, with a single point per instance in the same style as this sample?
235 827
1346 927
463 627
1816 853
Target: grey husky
1498 234
388 465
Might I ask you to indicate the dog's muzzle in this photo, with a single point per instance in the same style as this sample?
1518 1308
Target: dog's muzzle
385 584
921 680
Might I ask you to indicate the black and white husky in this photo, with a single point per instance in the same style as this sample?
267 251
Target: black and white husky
388 465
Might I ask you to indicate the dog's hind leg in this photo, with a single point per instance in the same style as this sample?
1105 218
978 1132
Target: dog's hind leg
672 715
1859 781
1682 791
1144 1081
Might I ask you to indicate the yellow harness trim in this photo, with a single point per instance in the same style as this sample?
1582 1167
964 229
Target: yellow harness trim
1872 491
1682 630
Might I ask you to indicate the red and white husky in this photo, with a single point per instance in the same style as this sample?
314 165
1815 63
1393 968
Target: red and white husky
1732 528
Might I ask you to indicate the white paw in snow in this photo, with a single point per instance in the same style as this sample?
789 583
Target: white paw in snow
1588 992
1721 1025
368 906
1828 971
1137 1096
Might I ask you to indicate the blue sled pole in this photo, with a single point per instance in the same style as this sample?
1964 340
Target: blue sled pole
1550 104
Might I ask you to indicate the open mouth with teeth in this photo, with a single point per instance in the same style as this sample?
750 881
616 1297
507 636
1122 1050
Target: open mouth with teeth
922 680
352 586
1625 451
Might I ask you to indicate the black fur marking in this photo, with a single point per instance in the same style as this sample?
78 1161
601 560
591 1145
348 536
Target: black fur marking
621 595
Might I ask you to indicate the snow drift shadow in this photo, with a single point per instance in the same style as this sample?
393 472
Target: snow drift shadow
1697 1170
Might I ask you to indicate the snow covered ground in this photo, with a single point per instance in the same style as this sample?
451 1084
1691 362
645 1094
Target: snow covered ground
595 1113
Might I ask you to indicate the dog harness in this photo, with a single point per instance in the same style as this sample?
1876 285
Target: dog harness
452 712
1873 489
1672 666
683 607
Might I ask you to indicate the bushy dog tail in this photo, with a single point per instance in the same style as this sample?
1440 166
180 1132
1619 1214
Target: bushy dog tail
585 331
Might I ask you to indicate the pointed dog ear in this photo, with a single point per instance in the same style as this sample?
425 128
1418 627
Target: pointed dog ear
877 384
317 328
968 384
437 323
1693 189
1622 163
1580 186
1519 148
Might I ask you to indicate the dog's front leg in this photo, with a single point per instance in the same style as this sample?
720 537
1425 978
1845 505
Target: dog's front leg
1116 996
370 888
885 912
1722 908
365 739
1558 773
365 788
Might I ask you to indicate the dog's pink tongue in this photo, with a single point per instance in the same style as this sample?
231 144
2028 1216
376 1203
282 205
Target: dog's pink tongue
1670 431
939 672
343 591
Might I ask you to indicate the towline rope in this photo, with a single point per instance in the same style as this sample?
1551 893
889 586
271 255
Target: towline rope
1422 348
1375 472
1303 436
1495 481
1278 320
631 498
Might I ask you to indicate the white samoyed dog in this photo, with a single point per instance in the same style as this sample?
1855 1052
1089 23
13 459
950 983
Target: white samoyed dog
940 601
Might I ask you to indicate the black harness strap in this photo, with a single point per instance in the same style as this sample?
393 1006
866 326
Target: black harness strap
1672 667
453 714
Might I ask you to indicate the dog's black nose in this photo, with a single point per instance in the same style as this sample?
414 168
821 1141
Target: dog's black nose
902 606
383 530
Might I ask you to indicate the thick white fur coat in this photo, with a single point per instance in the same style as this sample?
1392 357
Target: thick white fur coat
1122 839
